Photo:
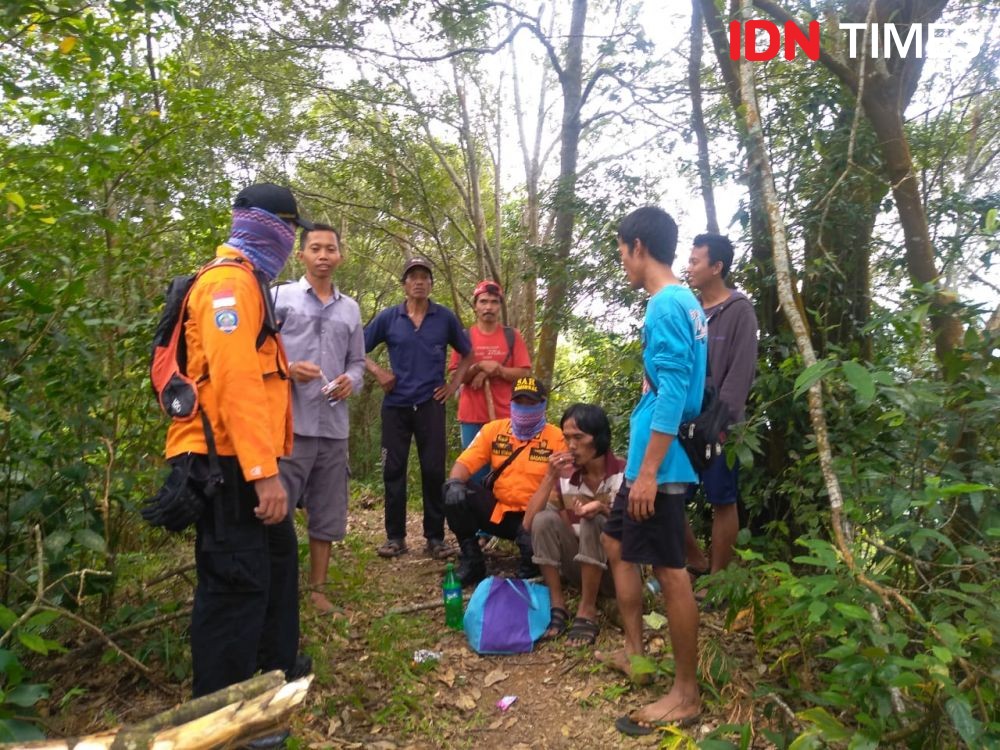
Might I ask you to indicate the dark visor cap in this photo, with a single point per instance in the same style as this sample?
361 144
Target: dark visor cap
274 199
417 263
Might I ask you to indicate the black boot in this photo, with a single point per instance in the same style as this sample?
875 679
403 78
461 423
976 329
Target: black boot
471 565
526 568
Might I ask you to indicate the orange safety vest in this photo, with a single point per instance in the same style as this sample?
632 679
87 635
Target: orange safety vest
518 482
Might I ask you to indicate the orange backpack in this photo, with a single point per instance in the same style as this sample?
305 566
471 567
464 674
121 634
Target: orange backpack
175 391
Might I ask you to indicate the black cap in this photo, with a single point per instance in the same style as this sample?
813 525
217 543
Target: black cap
274 199
530 387
417 262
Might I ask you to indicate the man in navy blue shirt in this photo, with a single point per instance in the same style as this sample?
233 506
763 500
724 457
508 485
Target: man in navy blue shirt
417 334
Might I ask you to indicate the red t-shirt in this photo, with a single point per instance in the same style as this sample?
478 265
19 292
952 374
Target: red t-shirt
472 401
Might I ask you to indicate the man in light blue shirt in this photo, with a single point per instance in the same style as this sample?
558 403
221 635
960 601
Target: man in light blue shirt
323 337
647 522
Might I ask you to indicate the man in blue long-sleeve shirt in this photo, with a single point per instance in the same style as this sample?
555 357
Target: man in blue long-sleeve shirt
647 521
321 329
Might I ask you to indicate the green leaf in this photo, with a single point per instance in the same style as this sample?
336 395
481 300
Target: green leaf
27 696
56 542
90 539
15 730
810 375
906 679
860 379
961 716
7 618
16 199
942 654
817 609
831 728
806 741
42 619
852 611
10 667
34 642
962 488
654 620
860 742
641 665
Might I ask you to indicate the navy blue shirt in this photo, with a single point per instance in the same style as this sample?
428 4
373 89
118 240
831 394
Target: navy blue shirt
416 355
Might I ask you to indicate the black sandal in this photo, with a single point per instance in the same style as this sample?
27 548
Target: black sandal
558 622
392 548
583 632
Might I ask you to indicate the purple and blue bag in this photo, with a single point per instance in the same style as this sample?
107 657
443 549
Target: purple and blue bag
506 615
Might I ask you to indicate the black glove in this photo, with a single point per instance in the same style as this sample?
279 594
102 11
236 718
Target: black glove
455 492
180 501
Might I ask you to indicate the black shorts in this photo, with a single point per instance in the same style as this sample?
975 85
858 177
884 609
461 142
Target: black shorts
657 541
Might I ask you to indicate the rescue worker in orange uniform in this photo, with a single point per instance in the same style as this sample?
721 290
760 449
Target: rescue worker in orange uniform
245 615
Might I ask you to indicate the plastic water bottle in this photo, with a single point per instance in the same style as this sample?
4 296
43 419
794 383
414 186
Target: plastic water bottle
452 590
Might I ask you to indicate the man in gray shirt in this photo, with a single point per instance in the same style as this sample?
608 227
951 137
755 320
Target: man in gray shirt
732 362
323 337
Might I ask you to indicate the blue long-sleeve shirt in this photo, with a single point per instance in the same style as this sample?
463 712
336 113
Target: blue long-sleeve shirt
675 349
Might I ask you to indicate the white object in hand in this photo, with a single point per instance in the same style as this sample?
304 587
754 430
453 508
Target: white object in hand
327 388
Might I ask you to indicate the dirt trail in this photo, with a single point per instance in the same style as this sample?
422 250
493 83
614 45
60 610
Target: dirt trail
369 693
564 698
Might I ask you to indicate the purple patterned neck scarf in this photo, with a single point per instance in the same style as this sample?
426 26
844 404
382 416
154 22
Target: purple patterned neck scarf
266 240
526 421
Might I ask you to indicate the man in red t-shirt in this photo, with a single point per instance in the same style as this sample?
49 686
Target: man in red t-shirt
499 358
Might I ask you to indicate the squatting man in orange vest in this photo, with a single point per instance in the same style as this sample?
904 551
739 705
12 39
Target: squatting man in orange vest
517 450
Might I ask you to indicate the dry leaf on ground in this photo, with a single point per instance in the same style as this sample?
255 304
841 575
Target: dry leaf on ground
497 675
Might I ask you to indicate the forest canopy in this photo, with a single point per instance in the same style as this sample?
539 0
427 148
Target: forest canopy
505 140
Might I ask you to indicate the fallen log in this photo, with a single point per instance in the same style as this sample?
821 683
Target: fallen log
238 713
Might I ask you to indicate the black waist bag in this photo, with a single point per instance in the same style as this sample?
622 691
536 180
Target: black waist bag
184 495
701 438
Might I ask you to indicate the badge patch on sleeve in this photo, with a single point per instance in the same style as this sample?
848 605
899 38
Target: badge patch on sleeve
227 320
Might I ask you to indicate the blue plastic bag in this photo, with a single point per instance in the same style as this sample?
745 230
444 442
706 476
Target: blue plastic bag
506 615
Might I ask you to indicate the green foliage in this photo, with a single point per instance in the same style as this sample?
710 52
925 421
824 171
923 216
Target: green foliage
921 486
112 177
19 696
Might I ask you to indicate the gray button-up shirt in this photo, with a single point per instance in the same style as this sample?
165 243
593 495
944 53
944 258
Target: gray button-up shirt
328 334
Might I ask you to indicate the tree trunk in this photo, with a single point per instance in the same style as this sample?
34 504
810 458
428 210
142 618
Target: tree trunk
843 194
525 301
790 303
887 122
698 119
222 719
760 279
557 279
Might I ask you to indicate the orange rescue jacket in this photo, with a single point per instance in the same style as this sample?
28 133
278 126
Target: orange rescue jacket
244 391
518 482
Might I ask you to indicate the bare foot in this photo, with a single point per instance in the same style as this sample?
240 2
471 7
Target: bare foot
323 605
619 661
672 708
